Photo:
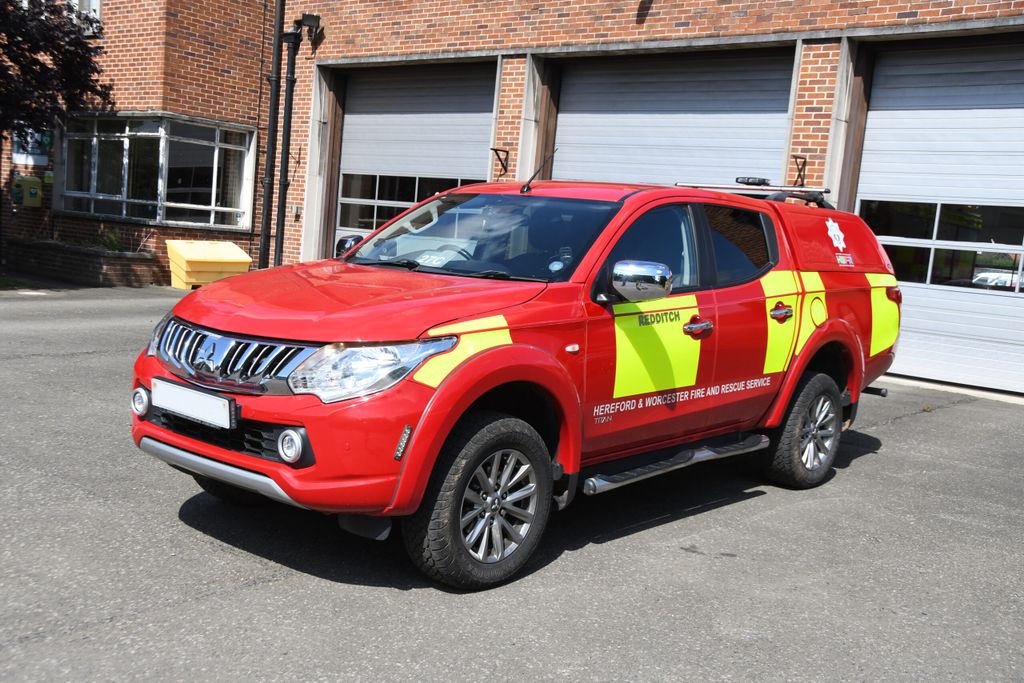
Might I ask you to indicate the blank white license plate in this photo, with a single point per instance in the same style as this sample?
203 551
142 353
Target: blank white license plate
195 405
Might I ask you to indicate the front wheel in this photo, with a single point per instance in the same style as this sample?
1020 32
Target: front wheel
806 445
486 506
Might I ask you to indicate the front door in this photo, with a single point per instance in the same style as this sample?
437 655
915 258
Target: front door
643 367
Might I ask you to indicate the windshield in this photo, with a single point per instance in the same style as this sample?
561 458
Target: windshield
491 235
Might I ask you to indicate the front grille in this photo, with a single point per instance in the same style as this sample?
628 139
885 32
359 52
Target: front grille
238 364
250 437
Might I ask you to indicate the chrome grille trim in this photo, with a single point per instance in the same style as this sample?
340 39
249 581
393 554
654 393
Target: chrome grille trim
232 363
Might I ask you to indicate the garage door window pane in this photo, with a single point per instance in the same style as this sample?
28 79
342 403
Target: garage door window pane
976 270
386 213
359 216
899 219
910 263
359 186
396 189
431 186
966 223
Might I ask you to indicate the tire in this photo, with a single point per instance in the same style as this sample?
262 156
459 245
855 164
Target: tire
453 537
229 494
801 457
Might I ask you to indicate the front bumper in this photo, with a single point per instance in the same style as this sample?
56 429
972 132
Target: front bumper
197 464
355 470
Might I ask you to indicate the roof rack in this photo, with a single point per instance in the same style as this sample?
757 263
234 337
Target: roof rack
775 193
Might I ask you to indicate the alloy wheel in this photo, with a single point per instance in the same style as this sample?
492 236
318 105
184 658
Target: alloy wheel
498 506
818 433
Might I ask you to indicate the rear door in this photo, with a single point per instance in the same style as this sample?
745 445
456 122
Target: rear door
755 315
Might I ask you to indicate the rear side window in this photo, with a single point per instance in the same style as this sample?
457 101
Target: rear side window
739 241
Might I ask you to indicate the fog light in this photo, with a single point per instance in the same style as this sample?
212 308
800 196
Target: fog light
289 446
140 402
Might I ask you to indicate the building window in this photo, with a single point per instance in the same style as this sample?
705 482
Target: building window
953 245
88 6
366 202
162 170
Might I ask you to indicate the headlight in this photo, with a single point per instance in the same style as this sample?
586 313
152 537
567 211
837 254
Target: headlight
337 371
158 332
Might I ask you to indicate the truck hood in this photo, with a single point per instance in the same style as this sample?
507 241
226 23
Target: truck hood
332 301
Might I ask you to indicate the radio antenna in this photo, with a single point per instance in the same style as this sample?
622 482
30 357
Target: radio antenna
526 186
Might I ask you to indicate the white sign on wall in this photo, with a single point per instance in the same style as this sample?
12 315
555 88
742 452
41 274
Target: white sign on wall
33 150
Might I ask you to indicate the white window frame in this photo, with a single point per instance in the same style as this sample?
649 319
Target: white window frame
243 212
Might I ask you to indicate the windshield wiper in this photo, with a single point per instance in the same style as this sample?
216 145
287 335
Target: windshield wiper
407 263
497 275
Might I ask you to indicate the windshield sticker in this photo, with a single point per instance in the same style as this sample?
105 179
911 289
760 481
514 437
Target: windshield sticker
434 259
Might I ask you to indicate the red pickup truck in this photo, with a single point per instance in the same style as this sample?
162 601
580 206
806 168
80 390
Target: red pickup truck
497 349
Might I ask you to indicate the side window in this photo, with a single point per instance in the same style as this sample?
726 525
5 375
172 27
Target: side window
662 235
739 241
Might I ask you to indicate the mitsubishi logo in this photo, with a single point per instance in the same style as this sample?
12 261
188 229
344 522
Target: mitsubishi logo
838 238
205 357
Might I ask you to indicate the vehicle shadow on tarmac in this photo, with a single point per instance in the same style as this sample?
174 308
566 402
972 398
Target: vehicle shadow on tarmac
313 544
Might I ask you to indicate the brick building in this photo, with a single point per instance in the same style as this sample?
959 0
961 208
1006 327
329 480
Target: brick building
912 112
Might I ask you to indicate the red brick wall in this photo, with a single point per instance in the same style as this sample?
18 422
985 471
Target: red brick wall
510 112
366 28
212 58
133 37
202 59
372 27
812 112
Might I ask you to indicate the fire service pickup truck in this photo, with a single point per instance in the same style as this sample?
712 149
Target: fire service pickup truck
497 350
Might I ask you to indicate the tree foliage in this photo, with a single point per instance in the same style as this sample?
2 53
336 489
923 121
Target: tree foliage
48 67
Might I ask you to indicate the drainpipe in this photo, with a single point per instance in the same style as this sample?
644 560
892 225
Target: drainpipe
292 39
271 145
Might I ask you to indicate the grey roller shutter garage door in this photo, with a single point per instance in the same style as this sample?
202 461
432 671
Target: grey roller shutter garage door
419 121
945 141
690 117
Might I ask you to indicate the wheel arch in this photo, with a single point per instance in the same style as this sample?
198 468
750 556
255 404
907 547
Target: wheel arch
833 349
520 380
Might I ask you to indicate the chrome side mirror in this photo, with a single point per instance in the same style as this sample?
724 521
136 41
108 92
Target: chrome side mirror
346 244
641 280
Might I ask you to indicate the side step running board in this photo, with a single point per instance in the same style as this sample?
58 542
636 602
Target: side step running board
600 483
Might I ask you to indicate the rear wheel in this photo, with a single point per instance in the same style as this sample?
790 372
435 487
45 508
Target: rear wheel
806 445
486 506
230 494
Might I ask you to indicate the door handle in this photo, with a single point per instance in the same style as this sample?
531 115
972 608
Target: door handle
697 326
781 313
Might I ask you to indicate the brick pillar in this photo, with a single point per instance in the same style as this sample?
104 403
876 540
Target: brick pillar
812 112
509 115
